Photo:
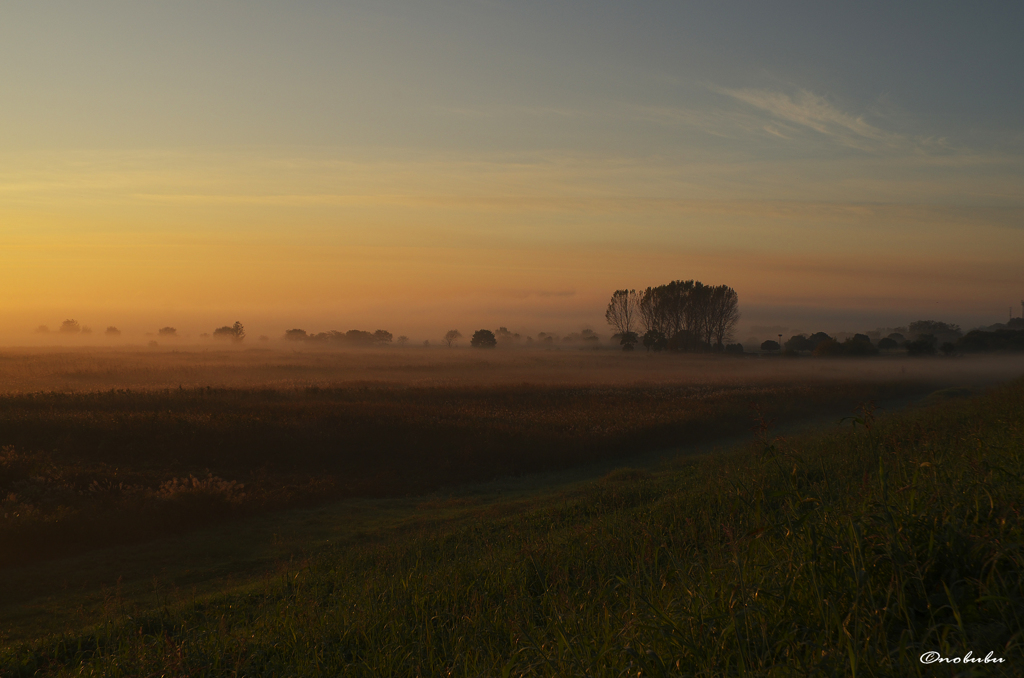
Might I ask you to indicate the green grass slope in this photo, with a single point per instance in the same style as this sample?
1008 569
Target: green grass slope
851 553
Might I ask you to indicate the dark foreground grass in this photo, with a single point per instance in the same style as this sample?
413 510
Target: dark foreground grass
848 554
85 470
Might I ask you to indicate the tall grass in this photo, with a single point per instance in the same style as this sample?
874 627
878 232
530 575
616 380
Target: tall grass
848 554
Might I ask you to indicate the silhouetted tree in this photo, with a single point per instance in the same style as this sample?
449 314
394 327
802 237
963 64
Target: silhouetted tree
358 338
483 339
723 314
504 335
70 327
942 332
923 345
888 344
828 348
622 310
692 315
948 348
859 345
235 333
451 336
382 337
734 348
112 332
699 307
402 340
654 340
798 343
650 312
998 340
167 332
296 335
770 345
920 327
819 337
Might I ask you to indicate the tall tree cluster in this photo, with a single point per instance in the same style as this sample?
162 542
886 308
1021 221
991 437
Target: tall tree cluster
683 315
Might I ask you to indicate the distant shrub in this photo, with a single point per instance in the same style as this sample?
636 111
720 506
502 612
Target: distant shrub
940 331
978 341
770 345
359 338
922 346
483 339
655 340
112 332
167 332
628 340
799 343
859 345
70 327
235 333
734 348
506 336
888 344
296 335
828 348
450 337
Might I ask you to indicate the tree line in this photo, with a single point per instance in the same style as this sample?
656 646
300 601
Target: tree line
350 338
920 338
683 315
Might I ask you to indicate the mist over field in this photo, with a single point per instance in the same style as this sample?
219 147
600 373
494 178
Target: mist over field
89 370
560 314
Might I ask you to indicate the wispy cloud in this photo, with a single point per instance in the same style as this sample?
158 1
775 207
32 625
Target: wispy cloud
811 111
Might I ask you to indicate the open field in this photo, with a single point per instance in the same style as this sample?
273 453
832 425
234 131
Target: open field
848 552
86 468
133 480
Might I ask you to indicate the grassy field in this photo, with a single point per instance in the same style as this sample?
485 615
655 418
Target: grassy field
83 469
844 553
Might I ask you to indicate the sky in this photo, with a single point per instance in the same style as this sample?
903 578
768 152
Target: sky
422 166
